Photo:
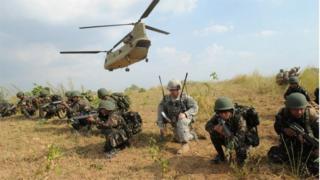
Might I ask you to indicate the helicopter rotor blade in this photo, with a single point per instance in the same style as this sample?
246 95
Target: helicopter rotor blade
82 52
109 25
156 30
149 9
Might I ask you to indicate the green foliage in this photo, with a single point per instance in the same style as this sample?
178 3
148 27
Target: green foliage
54 152
214 76
250 167
298 168
157 156
38 88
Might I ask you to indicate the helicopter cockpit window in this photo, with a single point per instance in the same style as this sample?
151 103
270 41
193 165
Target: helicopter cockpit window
143 43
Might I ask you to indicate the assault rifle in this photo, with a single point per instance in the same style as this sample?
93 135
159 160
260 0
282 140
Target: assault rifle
161 86
85 116
182 105
231 139
299 130
51 103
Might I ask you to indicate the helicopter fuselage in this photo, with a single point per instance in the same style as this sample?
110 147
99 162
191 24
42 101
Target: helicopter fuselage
135 49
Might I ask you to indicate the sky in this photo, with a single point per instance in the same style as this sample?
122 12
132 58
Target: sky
229 37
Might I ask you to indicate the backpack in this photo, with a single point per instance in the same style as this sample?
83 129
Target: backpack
251 117
122 101
133 122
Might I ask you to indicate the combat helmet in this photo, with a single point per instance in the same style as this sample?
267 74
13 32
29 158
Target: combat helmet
75 94
174 85
102 92
107 105
296 101
20 94
223 103
68 93
294 80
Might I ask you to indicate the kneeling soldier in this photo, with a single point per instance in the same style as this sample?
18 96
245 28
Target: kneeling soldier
227 128
298 128
78 107
26 105
113 126
179 110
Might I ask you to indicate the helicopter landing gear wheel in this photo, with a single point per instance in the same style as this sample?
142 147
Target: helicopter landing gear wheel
147 60
127 69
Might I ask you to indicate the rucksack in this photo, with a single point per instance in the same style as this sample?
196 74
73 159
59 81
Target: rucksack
122 101
133 122
249 114
251 117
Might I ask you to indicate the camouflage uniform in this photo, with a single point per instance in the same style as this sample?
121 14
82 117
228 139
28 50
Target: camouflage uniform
43 99
7 109
309 122
103 94
237 125
296 89
121 100
53 107
26 105
172 108
77 108
113 126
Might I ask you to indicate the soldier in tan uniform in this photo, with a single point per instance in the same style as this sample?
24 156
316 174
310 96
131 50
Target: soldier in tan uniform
179 110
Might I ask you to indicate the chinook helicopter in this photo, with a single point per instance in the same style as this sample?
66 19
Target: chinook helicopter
135 44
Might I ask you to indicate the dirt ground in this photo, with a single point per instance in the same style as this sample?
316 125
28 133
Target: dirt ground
25 147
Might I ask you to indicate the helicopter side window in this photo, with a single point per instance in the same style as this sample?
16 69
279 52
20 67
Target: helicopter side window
143 43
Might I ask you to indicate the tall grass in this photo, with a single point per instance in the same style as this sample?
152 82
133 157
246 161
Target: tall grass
309 79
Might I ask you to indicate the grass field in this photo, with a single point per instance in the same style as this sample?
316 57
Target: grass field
31 149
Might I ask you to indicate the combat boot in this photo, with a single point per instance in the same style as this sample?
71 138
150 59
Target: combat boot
218 159
184 149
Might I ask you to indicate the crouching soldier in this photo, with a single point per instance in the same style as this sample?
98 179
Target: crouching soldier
228 128
6 109
43 98
298 129
294 87
113 126
26 105
77 108
121 100
179 110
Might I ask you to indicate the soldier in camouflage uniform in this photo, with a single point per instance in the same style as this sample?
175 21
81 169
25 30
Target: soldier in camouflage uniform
6 109
295 87
26 105
225 113
121 100
293 145
76 108
69 97
180 114
103 94
44 98
113 126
